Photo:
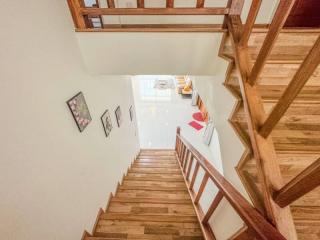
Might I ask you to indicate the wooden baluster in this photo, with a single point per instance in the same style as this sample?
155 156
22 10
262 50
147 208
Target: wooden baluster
276 25
170 3
301 77
111 3
181 151
140 3
182 154
200 3
305 182
78 19
189 168
212 207
195 172
187 161
253 13
184 158
202 187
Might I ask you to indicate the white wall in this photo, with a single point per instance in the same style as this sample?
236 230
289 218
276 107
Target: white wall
53 179
149 53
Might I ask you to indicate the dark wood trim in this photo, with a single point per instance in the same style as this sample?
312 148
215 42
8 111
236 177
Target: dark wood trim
301 77
305 182
154 11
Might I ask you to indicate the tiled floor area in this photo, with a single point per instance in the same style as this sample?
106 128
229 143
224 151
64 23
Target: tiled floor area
159 112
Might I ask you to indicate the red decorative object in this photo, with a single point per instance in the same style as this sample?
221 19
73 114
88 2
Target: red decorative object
195 125
198 116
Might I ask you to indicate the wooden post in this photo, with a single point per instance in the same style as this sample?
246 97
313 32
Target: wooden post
200 3
78 19
140 3
305 182
170 3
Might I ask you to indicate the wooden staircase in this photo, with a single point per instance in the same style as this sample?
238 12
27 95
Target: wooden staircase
152 202
296 137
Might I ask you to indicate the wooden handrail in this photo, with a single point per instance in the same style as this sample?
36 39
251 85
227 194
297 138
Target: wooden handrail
305 182
301 77
276 25
154 11
253 13
253 219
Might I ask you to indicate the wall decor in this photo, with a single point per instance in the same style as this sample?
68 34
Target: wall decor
80 112
118 116
131 113
106 122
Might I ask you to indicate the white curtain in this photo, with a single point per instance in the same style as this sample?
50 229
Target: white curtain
208 133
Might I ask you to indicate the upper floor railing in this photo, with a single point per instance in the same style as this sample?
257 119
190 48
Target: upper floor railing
91 18
257 226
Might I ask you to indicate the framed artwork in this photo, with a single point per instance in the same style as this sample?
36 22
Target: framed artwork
106 122
118 116
80 112
131 113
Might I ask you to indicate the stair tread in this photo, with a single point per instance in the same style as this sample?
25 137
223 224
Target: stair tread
152 202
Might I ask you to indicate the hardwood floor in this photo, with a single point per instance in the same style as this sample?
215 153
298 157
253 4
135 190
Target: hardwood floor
297 136
152 202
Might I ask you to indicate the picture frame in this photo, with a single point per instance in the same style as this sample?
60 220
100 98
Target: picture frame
106 122
80 111
118 116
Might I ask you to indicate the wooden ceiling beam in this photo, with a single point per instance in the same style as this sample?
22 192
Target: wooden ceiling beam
154 11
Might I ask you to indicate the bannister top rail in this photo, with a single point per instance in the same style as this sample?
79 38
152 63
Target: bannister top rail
154 11
254 220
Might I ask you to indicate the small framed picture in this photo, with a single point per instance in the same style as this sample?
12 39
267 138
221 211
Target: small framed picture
131 113
118 116
80 112
106 122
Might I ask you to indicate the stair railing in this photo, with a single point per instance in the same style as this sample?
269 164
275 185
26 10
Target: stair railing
188 156
260 125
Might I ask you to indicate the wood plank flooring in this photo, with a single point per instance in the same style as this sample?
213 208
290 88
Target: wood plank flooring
151 203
